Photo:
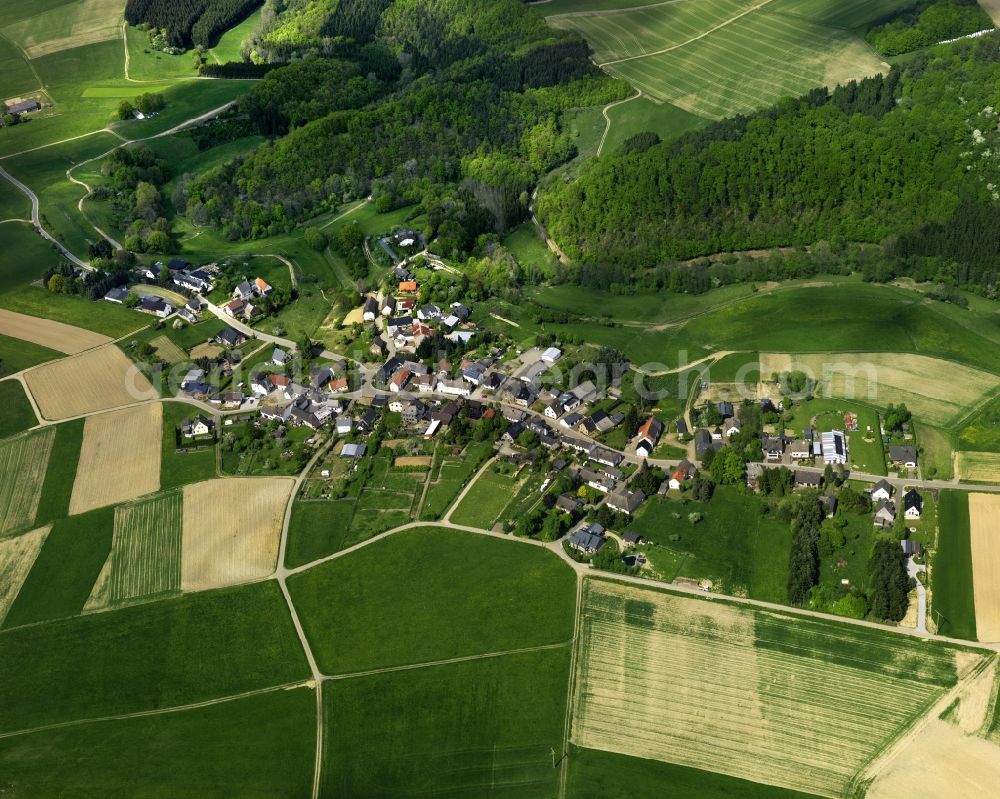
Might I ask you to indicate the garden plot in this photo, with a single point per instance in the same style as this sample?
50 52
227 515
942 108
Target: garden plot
146 553
47 333
17 556
120 457
23 461
936 391
984 528
794 702
96 380
167 350
231 530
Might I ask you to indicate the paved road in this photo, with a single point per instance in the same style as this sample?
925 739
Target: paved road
36 221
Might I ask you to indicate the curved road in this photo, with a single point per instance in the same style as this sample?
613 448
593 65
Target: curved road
36 221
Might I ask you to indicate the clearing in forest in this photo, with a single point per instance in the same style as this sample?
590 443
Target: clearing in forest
232 529
120 457
47 333
984 528
96 380
23 461
17 556
146 553
800 703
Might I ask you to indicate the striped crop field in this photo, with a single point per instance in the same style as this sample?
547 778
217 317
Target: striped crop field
146 551
716 58
801 703
23 461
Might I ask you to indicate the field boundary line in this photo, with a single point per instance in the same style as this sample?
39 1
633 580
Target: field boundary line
447 661
160 711
571 688
688 41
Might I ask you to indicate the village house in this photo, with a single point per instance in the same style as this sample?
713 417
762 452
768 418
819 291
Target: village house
586 540
413 412
117 295
885 514
772 446
913 504
261 287
682 472
626 502
353 450
454 388
910 548
369 309
730 427
606 457
882 490
399 380
829 503
632 539
800 449
228 337
806 479
243 291
599 482
725 409
388 306
197 427
428 311
649 434
681 427
568 503
904 456
156 306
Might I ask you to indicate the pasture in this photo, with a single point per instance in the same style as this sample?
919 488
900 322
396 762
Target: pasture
17 556
259 746
167 350
319 528
18 414
741 551
936 391
146 550
798 703
120 457
23 461
978 467
231 530
46 333
63 575
96 380
466 594
157 655
984 520
952 598
721 57
463 730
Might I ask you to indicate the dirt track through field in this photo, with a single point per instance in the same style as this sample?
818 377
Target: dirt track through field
119 458
17 556
232 529
46 333
95 380
23 461
984 529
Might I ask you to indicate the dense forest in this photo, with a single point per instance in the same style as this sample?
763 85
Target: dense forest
190 22
928 23
452 105
910 160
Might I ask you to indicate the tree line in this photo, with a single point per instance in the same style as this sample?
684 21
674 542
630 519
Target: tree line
190 22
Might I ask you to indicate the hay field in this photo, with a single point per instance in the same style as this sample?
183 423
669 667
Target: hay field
980 467
54 335
23 461
206 351
119 458
232 529
984 528
67 26
937 392
146 553
167 350
796 703
96 380
17 556
715 58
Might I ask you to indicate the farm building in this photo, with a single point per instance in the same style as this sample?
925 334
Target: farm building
23 107
807 479
118 295
353 450
627 502
834 447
